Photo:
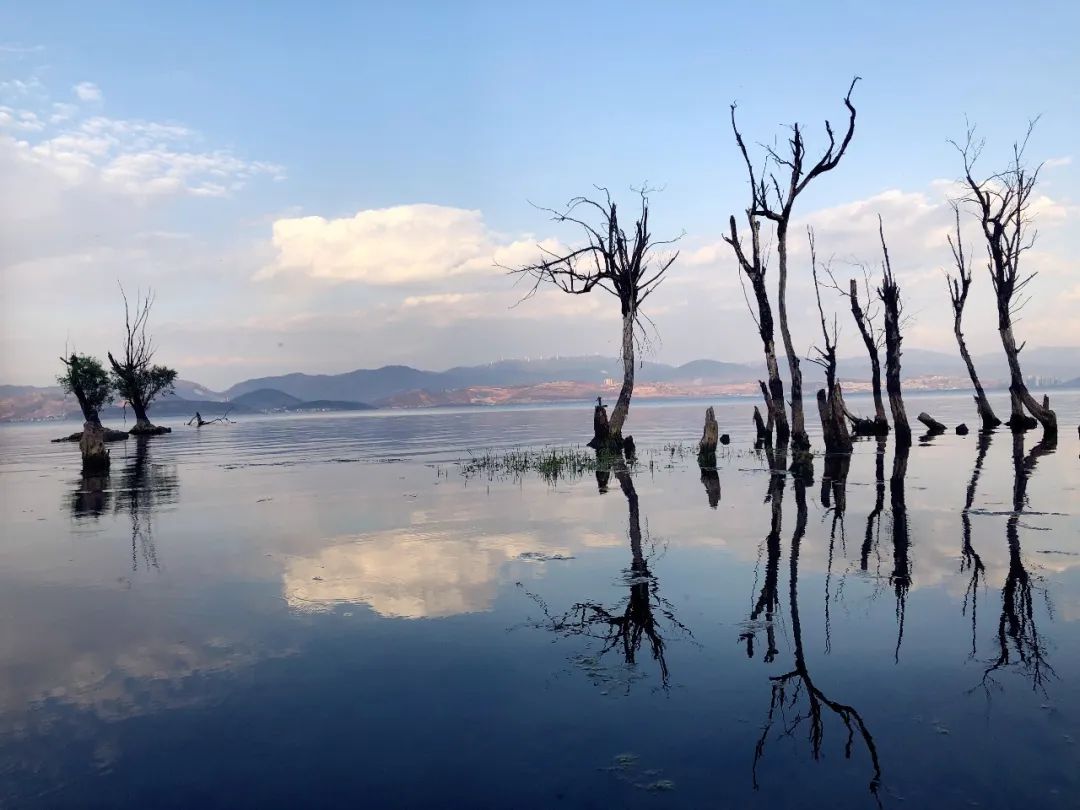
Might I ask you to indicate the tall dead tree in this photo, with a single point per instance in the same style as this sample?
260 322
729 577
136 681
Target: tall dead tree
627 267
889 295
958 293
830 399
754 265
866 319
138 380
774 199
1002 204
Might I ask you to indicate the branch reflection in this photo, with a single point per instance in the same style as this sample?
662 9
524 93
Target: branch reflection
638 619
791 690
1018 639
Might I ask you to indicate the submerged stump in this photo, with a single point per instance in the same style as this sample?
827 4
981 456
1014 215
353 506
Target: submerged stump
95 456
709 439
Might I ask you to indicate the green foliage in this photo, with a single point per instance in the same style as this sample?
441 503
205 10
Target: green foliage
86 378
143 384
551 464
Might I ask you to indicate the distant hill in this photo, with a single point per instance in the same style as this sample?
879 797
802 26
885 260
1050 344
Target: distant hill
544 380
266 399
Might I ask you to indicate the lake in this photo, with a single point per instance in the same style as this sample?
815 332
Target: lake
324 610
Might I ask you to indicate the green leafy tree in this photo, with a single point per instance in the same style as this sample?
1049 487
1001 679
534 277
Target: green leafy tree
87 380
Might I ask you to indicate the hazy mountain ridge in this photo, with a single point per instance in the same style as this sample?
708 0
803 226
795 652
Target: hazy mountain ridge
545 380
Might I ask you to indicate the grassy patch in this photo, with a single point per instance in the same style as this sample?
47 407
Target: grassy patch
550 463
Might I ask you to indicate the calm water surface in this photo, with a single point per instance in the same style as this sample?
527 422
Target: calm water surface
323 610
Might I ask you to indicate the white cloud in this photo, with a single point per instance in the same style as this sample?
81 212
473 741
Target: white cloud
87 91
399 245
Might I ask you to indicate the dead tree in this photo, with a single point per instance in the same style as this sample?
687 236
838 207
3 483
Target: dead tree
138 380
627 267
889 295
830 400
754 267
958 293
873 339
1002 204
774 200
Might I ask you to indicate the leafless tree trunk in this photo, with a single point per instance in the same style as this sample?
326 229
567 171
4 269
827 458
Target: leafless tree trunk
958 293
830 401
1003 206
865 320
775 202
889 294
754 267
623 266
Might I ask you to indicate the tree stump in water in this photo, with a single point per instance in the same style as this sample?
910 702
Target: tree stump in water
95 456
601 431
961 429
764 435
709 438
932 424
629 448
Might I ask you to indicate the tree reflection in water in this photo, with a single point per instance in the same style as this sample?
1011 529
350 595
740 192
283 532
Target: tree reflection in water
144 486
639 618
900 578
1018 640
91 497
970 561
795 698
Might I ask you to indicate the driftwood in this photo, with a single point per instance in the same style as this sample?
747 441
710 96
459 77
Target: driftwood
932 424
198 421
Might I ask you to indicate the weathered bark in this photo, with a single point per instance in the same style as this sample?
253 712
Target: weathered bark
933 425
982 404
831 408
958 293
622 405
95 456
709 436
889 293
753 266
629 449
799 439
601 429
763 433
866 330
1019 395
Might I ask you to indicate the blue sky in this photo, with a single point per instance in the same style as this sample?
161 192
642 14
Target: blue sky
483 107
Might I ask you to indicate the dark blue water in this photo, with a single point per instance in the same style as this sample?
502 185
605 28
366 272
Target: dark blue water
323 610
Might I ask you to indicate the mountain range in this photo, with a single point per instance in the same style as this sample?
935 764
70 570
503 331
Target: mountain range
552 379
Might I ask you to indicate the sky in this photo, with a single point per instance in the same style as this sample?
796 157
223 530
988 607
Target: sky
324 187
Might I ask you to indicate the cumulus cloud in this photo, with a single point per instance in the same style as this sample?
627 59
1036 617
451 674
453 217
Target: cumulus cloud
87 91
399 245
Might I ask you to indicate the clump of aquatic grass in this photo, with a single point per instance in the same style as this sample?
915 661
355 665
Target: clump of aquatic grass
550 463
